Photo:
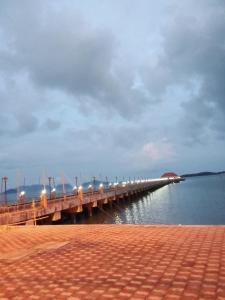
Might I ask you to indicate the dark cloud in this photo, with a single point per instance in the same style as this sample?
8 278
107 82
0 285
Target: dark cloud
18 124
193 58
52 124
59 50
19 104
27 123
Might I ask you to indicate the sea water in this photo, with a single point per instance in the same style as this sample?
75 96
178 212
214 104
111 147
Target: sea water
197 200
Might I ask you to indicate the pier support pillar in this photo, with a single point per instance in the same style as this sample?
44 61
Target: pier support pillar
100 204
56 216
73 218
95 204
110 203
89 210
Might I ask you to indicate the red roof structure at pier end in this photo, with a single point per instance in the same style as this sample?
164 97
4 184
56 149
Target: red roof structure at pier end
169 174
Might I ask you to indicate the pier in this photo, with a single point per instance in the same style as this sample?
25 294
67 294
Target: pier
49 209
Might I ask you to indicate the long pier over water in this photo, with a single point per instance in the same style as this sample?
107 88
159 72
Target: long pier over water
49 210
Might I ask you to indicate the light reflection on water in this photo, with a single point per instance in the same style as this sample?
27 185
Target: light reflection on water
199 200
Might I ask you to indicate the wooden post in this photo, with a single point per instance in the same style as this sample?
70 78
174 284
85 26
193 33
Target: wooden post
43 199
33 206
101 188
80 194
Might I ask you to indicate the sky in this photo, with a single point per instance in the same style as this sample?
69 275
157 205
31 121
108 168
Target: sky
111 88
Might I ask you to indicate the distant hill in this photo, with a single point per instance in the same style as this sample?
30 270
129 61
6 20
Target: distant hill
203 174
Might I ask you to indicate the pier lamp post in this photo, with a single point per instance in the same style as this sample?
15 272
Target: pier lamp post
53 192
53 181
50 186
4 181
76 181
75 190
106 181
94 182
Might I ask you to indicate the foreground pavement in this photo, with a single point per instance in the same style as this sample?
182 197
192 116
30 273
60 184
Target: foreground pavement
112 262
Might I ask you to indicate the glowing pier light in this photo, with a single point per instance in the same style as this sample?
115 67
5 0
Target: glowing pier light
53 193
80 193
75 190
43 192
90 188
43 198
22 193
101 188
22 197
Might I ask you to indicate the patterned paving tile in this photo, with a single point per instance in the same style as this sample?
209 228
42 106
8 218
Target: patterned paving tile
112 262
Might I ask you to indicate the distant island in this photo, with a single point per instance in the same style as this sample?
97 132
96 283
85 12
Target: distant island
203 174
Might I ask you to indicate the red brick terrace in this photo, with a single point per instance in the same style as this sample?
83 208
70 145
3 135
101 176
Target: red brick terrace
112 262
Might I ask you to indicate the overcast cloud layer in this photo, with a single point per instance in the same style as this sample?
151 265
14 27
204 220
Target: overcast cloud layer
122 88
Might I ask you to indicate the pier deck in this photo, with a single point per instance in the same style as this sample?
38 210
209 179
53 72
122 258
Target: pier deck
112 262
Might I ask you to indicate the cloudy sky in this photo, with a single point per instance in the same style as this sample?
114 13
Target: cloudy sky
126 88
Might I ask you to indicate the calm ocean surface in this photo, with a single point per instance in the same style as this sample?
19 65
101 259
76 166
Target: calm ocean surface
198 200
